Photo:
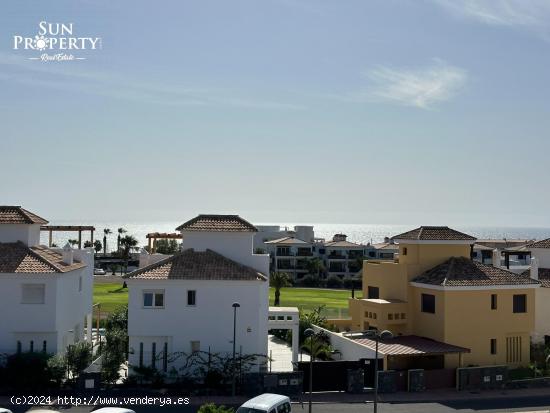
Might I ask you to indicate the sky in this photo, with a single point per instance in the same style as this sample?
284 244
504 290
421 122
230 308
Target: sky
428 112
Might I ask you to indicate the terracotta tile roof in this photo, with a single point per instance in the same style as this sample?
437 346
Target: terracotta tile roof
17 258
411 345
386 246
545 243
342 244
221 223
287 241
428 233
463 272
18 215
197 265
544 276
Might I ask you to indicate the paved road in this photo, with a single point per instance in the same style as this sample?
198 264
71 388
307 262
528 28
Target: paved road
539 404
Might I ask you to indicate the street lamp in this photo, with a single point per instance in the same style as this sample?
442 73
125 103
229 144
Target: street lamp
235 306
377 336
311 334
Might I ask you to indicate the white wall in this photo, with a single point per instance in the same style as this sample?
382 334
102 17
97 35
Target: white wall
542 314
349 349
27 234
210 321
542 255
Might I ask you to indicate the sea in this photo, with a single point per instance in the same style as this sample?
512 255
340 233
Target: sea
359 233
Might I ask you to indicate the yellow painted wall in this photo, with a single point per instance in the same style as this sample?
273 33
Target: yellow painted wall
388 276
470 322
423 257
427 324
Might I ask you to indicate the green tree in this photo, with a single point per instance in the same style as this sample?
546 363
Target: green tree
88 244
168 247
116 344
79 356
57 366
127 243
97 246
315 266
106 232
279 280
119 237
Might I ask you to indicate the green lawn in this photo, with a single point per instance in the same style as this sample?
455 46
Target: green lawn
112 295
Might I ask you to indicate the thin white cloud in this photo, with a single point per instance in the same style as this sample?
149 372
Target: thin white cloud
422 88
533 15
73 79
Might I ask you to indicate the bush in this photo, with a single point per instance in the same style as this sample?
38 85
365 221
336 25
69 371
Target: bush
28 370
167 247
212 408
79 356
334 281
351 282
309 280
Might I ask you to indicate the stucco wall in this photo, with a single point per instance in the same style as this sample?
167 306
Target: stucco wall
28 234
422 257
542 315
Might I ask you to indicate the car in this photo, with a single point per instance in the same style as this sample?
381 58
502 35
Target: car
42 411
266 403
99 271
2 410
113 410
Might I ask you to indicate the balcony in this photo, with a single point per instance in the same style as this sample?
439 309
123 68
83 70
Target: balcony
388 311
304 253
336 256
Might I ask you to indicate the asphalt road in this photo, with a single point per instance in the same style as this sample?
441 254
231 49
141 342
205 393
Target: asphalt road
520 404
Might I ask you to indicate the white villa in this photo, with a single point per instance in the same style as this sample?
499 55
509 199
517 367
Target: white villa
184 303
540 270
45 293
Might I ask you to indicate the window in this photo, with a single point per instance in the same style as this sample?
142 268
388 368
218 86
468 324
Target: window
403 316
428 303
153 299
493 301
195 346
79 284
372 254
33 293
513 349
493 346
165 358
373 292
44 346
284 408
31 346
404 250
140 354
390 316
520 303
154 355
191 297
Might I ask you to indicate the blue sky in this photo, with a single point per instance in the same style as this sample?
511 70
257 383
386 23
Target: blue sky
403 112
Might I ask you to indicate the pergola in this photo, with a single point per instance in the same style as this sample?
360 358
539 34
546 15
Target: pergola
153 236
69 228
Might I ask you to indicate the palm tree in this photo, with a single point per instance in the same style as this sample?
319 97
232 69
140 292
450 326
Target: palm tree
128 242
73 242
279 280
314 266
106 232
120 232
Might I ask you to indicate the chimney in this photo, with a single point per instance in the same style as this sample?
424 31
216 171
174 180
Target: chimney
68 254
496 258
534 269
339 237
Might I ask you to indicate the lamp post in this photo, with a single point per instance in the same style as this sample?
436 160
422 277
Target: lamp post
235 306
377 336
311 334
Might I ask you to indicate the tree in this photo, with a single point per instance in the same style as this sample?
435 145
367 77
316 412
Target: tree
97 246
73 242
120 232
279 280
319 343
127 243
116 344
57 366
106 232
88 244
212 408
79 356
314 266
168 247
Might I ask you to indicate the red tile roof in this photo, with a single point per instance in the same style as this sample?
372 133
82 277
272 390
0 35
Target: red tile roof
430 233
17 258
544 276
217 223
545 243
464 272
197 265
411 345
18 215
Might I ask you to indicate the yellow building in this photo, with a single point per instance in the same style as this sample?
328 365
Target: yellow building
434 290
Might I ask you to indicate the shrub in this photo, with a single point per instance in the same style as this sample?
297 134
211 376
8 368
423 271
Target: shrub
334 281
212 408
79 356
57 365
28 370
309 280
167 247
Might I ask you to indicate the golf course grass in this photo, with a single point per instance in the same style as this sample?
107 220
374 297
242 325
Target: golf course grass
112 295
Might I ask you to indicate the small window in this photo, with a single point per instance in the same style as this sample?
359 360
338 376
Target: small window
165 358
195 346
520 303
44 346
493 301
493 346
191 297
31 346
154 355
284 408
373 292
403 316
33 293
18 347
404 250
396 316
140 354
153 299
390 316
428 303
79 284
374 316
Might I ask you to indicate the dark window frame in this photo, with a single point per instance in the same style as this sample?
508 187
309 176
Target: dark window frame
427 303
519 303
373 293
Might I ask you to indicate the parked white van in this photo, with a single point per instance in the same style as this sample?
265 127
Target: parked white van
266 403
